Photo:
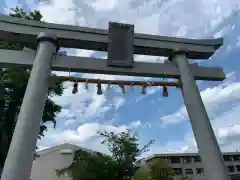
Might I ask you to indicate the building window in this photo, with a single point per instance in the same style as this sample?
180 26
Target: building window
188 171
238 168
236 157
187 159
197 159
177 171
230 168
199 171
175 159
235 177
227 158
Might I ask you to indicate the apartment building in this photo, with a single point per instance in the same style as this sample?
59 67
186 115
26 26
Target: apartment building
189 166
185 165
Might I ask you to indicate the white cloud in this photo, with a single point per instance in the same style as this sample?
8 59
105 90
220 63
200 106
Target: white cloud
104 5
151 17
66 114
222 32
84 104
118 102
227 130
11 4
69 122
213 98
224 122
58 12
136 124
83 53
85 133
153 59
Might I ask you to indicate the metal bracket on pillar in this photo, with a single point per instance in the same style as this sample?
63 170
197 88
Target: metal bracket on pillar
120 45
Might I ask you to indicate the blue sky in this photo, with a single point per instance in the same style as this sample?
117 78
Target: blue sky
152 116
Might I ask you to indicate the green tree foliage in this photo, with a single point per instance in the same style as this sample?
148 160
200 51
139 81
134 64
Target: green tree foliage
124 148
155 169
90 166
120 165
13 83
161 170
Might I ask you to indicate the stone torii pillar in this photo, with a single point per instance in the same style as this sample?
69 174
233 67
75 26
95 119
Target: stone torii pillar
209 150
21 152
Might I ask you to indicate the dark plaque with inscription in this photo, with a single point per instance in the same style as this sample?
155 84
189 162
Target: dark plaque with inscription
120 45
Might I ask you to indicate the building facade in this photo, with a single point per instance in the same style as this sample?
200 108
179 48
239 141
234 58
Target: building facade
185 165
44 167
189 166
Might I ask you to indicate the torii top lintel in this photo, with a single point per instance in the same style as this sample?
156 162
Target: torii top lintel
26 31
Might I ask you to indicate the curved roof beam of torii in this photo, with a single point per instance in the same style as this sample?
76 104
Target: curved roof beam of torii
26 31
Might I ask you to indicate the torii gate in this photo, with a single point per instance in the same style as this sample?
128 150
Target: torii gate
121 43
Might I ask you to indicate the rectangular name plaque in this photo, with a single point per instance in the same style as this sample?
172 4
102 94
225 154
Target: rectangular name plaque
120 45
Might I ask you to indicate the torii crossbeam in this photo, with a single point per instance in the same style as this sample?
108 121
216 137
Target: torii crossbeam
121 43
